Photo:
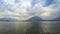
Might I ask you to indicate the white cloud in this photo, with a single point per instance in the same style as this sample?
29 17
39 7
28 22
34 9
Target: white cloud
9 1
20 9
47 12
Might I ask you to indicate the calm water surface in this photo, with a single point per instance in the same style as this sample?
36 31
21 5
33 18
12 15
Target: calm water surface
42 27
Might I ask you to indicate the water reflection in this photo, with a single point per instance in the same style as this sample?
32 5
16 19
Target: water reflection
51 26
35 28
36 25
26 27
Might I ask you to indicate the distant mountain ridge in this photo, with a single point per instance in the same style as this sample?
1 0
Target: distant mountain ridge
34 19
7 19
57 19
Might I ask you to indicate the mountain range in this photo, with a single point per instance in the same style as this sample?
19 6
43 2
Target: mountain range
7 19
32 19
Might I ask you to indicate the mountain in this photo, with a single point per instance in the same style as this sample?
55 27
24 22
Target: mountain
34 19
57 19
7 19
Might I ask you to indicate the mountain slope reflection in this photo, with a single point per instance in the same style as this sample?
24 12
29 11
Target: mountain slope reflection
36 27
29 27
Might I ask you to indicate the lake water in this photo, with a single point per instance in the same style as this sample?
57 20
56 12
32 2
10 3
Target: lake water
42 27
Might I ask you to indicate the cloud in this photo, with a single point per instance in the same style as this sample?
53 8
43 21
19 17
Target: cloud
46 9
9 1
47 12
16 9
52 11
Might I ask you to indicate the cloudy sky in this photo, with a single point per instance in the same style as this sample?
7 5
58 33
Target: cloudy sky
45 9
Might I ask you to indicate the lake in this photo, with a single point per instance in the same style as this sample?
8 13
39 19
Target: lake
41 27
